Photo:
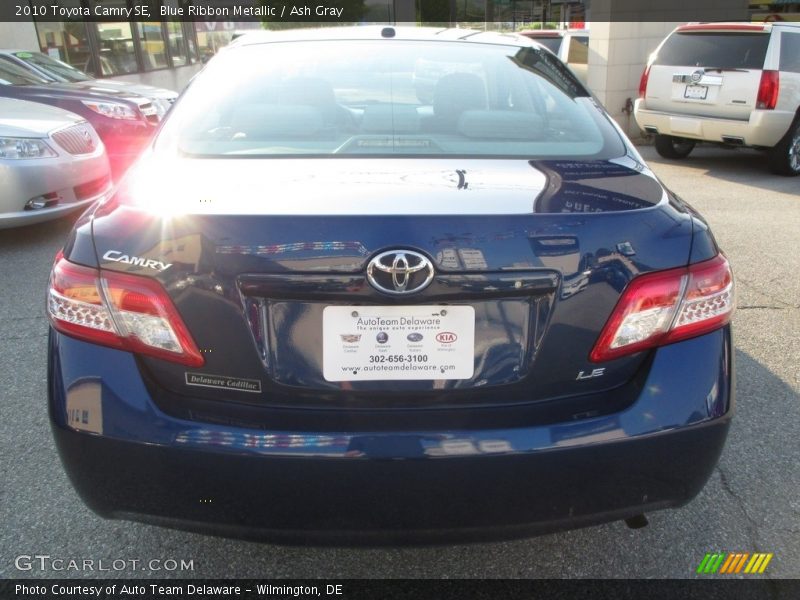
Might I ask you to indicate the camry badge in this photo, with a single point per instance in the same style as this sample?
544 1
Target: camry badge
117 256
400 272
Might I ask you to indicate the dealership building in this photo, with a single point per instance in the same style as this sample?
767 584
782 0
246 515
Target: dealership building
168 53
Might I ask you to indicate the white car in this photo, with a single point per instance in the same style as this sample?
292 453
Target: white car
736 84
52 162
570 45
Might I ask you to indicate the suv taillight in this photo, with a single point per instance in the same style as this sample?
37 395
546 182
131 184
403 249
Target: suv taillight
768 89
668 306
643 81
127 312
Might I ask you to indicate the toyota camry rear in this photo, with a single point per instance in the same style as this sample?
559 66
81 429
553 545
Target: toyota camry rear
324 307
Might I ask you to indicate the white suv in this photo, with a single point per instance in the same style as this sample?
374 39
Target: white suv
736 84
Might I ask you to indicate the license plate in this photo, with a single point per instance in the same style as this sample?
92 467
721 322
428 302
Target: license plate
696 91
362 343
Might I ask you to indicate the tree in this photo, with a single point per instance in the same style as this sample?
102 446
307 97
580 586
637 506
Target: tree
437 12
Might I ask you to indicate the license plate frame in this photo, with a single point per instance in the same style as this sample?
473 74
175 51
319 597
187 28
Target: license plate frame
696 92
398 343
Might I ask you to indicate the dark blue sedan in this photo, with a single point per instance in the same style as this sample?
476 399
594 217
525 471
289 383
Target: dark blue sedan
331 305
124 121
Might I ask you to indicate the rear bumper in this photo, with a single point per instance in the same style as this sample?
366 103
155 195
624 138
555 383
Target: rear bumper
765 128
307 500
129 460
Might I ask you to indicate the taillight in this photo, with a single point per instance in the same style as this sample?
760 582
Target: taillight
768 89
643 81
122 311
668 306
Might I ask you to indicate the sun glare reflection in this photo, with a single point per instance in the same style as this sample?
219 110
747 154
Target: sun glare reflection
153 190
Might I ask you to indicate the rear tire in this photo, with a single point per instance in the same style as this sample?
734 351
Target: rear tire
673 147
784 158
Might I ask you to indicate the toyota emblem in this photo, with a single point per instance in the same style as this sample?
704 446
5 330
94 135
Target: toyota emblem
400 272
697 75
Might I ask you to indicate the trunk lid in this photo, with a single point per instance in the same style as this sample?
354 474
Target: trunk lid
539 252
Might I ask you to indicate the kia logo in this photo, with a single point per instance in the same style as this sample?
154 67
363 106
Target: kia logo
400 272
446 337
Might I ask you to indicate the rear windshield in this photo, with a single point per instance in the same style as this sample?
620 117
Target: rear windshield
790 52
388 97
724 50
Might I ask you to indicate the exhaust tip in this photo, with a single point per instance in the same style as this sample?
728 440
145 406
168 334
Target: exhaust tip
637 522
733 140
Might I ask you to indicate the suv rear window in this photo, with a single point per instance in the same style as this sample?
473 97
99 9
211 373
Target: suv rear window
552 43
578 50
714 49
398 98
790 52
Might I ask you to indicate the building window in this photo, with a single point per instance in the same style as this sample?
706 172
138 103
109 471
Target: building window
212 35
121 48
153 48
116 54
178 49
67 41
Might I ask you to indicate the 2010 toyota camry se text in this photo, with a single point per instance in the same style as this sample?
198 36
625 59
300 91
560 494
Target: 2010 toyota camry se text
385 285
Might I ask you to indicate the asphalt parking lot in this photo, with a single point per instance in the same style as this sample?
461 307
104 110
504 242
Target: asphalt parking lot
750 504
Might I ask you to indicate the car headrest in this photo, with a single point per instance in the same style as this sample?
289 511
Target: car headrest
457 92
